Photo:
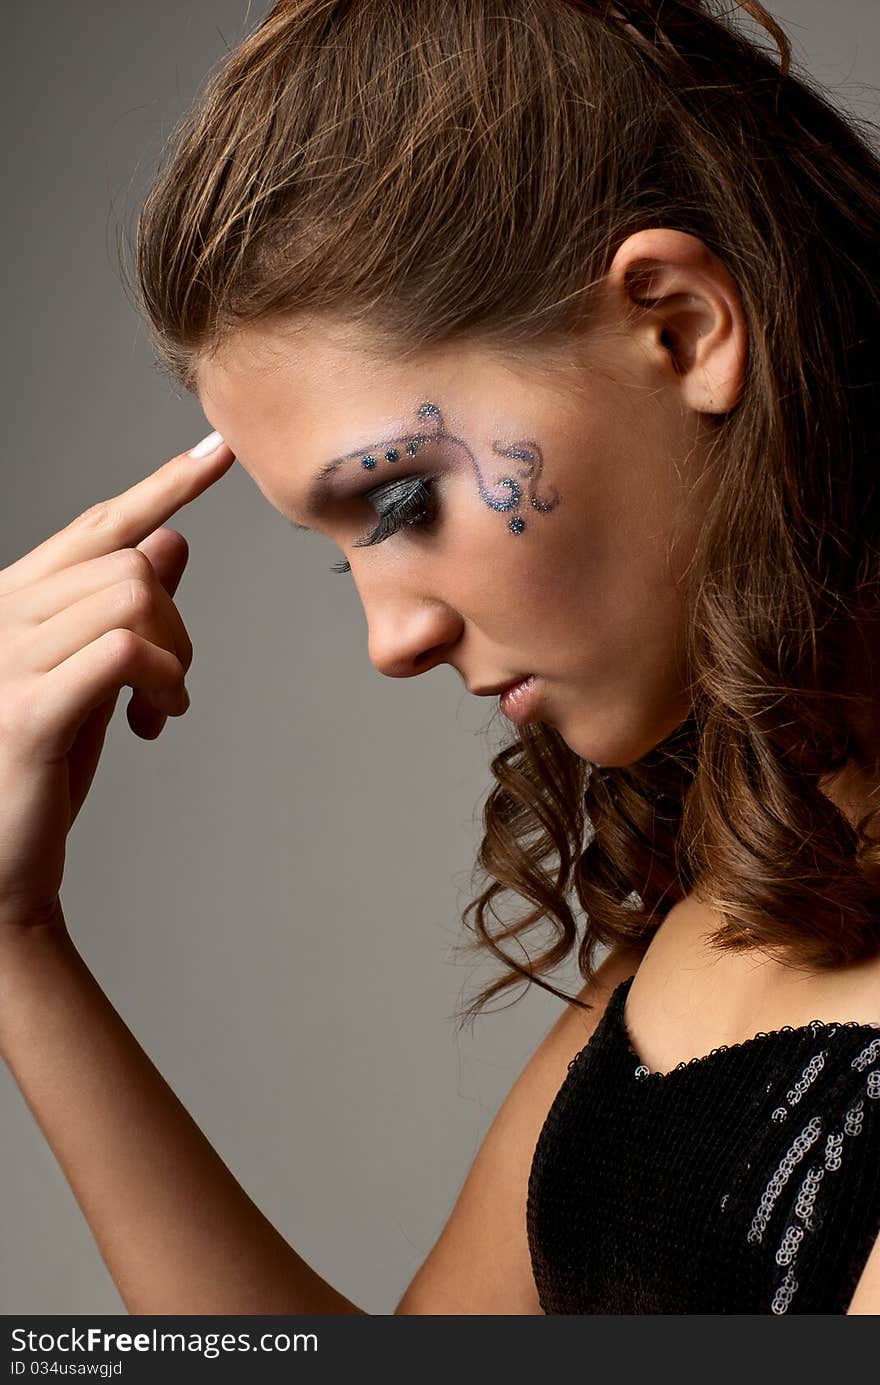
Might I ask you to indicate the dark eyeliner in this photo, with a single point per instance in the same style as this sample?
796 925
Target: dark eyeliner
413 510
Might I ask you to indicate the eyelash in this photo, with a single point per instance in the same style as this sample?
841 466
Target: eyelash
417 510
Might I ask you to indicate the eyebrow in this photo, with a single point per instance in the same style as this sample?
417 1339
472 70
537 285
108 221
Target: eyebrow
318 491
319 487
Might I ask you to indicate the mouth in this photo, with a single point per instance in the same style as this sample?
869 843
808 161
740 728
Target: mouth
490 690
520 703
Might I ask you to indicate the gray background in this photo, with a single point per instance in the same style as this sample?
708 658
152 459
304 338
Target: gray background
270 893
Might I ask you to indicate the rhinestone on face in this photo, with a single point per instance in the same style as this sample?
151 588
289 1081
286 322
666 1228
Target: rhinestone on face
516 525
392 455
369 463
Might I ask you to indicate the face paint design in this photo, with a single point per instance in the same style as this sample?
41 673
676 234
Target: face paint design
395 516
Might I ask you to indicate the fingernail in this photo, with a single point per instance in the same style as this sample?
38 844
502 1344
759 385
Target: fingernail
207 445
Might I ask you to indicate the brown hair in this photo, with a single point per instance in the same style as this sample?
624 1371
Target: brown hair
442 170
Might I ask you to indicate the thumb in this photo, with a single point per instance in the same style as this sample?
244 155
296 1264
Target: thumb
168 552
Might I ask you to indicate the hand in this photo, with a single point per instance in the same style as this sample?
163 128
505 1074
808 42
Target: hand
86 613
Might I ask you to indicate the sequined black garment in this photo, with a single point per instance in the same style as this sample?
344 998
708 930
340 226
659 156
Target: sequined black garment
745 1181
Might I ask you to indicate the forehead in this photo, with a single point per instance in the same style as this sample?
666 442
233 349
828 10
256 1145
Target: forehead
331 357
266 361
318 376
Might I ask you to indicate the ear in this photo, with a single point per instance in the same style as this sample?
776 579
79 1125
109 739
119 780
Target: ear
689 314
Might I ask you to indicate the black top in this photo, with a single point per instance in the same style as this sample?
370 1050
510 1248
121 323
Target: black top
744 1181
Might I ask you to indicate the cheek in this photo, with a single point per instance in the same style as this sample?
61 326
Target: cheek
595 561
514 583
569 588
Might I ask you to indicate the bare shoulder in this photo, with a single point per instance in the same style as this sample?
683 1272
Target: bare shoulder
866 1298
480 1263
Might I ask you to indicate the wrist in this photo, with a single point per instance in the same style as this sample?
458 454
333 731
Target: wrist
28 916
37 962
25 937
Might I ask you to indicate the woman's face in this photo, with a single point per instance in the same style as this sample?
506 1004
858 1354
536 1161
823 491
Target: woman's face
570 568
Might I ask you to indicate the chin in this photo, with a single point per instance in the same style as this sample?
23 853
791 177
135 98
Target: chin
616 748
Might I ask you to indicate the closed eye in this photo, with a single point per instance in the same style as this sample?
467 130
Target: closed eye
410 502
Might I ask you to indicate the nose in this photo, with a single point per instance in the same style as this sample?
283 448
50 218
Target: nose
405 640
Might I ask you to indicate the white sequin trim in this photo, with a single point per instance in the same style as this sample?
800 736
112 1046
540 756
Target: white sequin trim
785 1293
789 1246
854 1117
806 1197
810 1073
867 1056
795 1153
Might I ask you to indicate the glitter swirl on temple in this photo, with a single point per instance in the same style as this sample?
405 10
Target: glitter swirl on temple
528 453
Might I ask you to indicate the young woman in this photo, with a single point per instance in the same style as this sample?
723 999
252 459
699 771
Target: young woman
560 319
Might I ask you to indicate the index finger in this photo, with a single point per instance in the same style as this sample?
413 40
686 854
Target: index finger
126 519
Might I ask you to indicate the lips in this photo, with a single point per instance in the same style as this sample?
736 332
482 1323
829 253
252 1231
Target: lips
490 690
522 702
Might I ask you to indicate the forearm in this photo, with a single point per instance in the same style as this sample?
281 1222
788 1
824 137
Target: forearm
176 1230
